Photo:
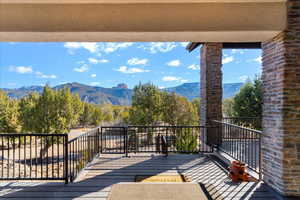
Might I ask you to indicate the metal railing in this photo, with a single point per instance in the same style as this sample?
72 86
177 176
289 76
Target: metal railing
54 157
164 145
240 143
33 157
135 139
248 122
82 150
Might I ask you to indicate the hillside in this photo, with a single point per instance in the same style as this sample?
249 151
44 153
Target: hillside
120 95
192 90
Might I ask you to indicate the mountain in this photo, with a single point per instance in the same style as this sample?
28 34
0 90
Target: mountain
120 95
192 90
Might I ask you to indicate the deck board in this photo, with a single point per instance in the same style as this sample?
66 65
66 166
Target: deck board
96 180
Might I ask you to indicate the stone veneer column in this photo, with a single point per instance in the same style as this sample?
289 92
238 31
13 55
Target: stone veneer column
211 87
281 109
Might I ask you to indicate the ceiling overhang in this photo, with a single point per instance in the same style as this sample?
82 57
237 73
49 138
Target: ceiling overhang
228 45
141 20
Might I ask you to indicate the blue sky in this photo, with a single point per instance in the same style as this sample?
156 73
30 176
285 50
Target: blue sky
107 64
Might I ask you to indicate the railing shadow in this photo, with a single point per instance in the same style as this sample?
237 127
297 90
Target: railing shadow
204 171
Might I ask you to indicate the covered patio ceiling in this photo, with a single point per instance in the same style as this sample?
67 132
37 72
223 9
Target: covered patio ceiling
141 20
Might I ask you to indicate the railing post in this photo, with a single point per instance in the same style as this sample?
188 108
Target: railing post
98 140
260 157
101 140
89 147
66 159
126 140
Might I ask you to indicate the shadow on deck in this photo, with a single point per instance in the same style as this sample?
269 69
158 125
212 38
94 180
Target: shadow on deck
95 181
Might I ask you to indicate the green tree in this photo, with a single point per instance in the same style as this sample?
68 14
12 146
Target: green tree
178 110
228 107
54 112
108 114
248 102
27 110
197 106
186 141
86 116
146 105
9 115
97 116
78 107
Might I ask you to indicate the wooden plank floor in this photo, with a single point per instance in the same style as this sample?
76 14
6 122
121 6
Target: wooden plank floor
96 180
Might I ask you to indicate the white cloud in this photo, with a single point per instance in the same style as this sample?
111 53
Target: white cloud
97 48
227 60
240 51
184 44
184 80
161 47
29 70
174 63
161 87
109 47
90 46
137 61
41 75
83 68
95 61
258 59
93 75
21 69
174 78
194 67
170 78
127 70
94 83
244 78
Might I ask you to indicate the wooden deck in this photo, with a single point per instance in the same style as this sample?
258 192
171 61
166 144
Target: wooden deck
96 180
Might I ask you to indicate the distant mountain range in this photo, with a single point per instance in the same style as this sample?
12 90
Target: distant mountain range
120 95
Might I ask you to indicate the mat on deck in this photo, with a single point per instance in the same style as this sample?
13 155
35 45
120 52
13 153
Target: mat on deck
157 191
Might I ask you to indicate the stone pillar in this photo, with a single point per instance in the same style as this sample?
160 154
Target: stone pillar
211 88
281 109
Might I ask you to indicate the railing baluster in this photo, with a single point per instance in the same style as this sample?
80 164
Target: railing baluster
52 151
242 144
2 163
8 158
14 147
36 157
30 167
25 157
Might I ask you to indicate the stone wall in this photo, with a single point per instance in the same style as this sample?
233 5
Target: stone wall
281 109
211 86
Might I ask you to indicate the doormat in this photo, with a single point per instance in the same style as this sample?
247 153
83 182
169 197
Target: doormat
161 178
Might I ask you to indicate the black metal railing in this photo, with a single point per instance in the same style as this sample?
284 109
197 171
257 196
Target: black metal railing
57 157
33 157
164 145
82 150
248 122
135 139
240 143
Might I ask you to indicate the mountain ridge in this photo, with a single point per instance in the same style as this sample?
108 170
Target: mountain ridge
121 94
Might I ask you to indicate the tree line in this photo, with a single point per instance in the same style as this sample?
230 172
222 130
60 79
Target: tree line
58 111
151 106
53 111
246 104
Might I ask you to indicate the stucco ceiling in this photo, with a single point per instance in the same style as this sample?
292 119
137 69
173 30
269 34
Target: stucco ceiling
127 20
134 1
